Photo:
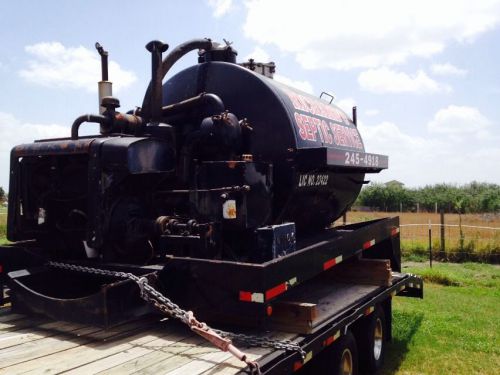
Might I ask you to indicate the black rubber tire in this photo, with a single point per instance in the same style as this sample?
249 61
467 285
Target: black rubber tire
345 343
368 362
329 361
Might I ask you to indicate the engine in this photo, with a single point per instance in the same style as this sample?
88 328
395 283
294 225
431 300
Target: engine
219 162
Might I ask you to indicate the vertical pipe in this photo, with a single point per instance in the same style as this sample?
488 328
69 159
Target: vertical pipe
355 115
104 87
156 48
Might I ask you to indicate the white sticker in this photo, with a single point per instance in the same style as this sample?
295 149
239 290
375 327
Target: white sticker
229 209
41 216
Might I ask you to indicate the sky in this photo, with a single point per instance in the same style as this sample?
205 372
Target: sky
425 75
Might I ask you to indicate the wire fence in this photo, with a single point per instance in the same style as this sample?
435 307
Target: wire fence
451 242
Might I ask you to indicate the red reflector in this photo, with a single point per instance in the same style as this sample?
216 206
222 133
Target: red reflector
368 244
329 264
297 365
395 231
269 310
245 296
329 341
277 290
1 268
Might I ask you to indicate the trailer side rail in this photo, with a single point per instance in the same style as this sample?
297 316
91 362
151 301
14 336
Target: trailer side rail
407 285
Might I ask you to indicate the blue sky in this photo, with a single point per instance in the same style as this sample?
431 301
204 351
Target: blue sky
425 75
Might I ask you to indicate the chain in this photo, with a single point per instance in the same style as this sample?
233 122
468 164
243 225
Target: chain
165 305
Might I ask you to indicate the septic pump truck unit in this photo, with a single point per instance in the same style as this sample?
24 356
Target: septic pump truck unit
218 194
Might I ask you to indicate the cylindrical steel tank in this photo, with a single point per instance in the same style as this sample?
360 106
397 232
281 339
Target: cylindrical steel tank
316 151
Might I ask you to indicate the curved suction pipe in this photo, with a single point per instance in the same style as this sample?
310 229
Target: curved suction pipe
168 62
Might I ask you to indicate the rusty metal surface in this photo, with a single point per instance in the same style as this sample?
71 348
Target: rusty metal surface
66 146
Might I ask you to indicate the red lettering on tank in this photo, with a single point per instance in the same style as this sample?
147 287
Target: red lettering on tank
301 125
317 124
311 129
326 132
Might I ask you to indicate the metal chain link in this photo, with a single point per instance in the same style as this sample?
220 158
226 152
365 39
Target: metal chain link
165 305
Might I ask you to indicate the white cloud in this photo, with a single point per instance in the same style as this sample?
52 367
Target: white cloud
14 132
372 112
385 80
459 120
417 161
447 69
346 105
55 65
366 34
220 7
301 85
259 55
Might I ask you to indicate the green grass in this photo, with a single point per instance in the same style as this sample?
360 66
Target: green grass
454 329
3 225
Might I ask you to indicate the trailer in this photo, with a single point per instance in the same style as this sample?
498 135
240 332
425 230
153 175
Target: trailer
211 204
331 322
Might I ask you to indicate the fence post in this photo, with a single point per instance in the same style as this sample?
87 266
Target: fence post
430 244
344 218
442 233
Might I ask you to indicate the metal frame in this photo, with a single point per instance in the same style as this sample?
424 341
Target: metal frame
247 289
287 362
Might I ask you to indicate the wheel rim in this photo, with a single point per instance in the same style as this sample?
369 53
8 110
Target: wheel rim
378 339
346 366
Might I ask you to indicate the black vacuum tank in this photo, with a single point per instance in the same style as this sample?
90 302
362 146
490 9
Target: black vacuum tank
316 151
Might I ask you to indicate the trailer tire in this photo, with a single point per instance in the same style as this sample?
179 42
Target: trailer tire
344 358
339 359
371 338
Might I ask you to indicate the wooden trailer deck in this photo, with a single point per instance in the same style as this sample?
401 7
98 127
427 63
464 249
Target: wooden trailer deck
147 346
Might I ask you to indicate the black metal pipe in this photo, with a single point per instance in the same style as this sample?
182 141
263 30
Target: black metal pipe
168 62
212 100
104 61
156 48
98 119
355 115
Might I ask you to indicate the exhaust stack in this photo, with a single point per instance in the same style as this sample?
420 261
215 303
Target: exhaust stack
105 87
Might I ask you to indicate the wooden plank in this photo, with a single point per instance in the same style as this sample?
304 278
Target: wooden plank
89 358
363 271
232 365
40 348
106 343
180 359
21 323
61 342
159 351
10 317
36 332
330 298
293 311
201 364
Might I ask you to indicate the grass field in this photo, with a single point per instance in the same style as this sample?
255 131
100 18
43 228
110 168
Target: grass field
3 224
476 240
454 329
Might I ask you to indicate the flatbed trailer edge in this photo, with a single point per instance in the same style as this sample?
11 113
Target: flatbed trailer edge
330 331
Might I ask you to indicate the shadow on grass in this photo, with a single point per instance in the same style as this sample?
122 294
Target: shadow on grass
405 325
